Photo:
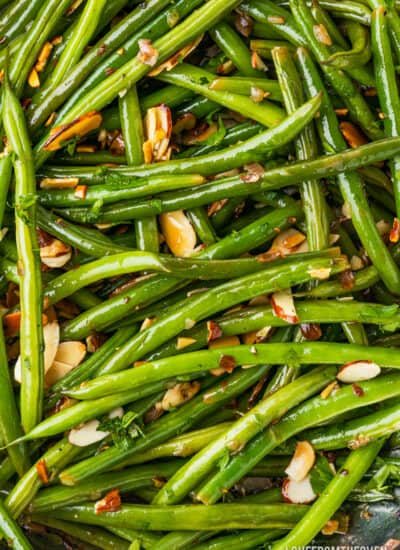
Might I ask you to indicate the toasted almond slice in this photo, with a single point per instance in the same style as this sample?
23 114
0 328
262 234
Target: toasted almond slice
147 322
302 461
110 503
394 235
383 227
148 54
224 342
283 306
86 434
320 273
322 35
59 261
298 492
59 183
287 242
356 371
51 337
179 394
183 342
356 263
330 388
71 352
177 57
55 254
352 134
43 56
179 233
33 79
57 371
78 127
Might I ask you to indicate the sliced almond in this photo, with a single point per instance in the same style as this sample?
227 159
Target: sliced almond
383 227
51 337
179 394
158 126
55 254
177 57
59 183
56 372
33 79
322 35
302 461
357 371
298 492
179 233
283 306
86 434
78 127
183 342
320 273
352 134
287 242
110 503
224 342
71 352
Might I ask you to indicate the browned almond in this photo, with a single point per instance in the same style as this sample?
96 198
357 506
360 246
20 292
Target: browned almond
59 183
298 492
183 342
311 331
224 342
110 503
78 127
180 394
148 55
394 235
33 79
302 461
214 331
178 232
322 35
283 306
177 57
352 134
356 371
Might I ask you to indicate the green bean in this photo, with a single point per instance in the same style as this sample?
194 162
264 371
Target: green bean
49 14
354 11
360 52
322 17
202 225
176 422
181 539
117 190
312 412
146 230
362 279
127 75
356 432
234 48
351 185
47 103
274 406
10 427
190 517
55 458
81 36
100 538
93 243
305 353
314 204
31 339
5 180
235 186
332 497
264 47
243 86
199 80
386 84
238 541
146 538
126 480
12 532
341 83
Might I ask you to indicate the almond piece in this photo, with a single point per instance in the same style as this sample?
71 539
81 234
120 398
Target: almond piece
86 434
51 337
179 394
302 461
357 371
179 233
298 492
183 342
78 127
283 306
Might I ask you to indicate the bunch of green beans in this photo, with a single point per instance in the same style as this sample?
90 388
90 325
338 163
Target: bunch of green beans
200 273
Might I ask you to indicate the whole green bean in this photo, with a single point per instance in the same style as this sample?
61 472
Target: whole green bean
359 54
238 541
190 517
386 84
5 180
31 339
